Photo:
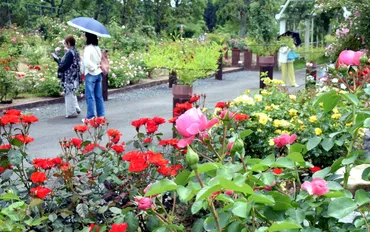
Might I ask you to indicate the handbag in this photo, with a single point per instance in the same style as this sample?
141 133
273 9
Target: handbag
292 55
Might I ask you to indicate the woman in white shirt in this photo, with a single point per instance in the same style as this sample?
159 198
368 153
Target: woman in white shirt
287 66
93 77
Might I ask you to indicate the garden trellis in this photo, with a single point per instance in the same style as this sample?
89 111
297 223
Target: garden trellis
35 11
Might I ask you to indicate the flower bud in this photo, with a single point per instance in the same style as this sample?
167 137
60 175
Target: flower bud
192 158
238 146
343 68
363 59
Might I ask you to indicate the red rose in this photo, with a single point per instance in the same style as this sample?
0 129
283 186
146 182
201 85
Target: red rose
91 147
81 128
315 169
9 119
96 122
38 68
118 148
119 227
12 112
38 177
159 120
151 127
157 159
194 98
138 123
172 120
94 228
29 119
277 171
147 140
40 192
7 68
114 135
221 105
5 147
137 165
240 117
76 142
131 155
24 138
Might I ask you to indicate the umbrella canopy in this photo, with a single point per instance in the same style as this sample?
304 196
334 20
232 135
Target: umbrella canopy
89 25
294 35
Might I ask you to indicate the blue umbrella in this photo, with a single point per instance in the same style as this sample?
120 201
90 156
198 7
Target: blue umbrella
90 25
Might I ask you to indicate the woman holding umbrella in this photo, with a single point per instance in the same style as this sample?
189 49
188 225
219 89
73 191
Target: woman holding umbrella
93 77
91 67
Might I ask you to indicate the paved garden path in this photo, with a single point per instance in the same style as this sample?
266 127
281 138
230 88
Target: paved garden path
123 108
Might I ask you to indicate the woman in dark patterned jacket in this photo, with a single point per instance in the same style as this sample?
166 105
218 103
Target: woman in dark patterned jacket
70 78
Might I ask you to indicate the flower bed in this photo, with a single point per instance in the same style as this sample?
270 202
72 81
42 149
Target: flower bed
229 169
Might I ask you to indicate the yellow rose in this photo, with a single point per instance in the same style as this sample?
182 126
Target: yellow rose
268 108
302 128
265 92
293 112
293 97
247 91
258 98
275 107
336 116
285 132
271 142
313 119
335 111
277 131
318 131
349 124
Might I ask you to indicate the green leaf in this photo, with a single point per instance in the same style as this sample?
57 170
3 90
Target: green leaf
341 207
52 217
196 207
152 222
352 98
297 147
235 226
366 174
230 185
38 221
284 162
161 187
182 177
362 197
245 133
336 165
296 157
82 210
241 209
322 173
282 201
207 191
283 225
34 202
313 142
262 199
334 185
327 144
198 225
184 193
349 160
103 209
268 161
15 157
115 210
133 223
268 178
367 122
9 196
297 215
334 194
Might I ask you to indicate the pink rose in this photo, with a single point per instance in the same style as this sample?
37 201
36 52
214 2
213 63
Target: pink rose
226 113
143 203
190 124
284 140
14 39
230 145
317 187
229 192
348 57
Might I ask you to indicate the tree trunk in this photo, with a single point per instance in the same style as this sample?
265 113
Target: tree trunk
243 18
9 13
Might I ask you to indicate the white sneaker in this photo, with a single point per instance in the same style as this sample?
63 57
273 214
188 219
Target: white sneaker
296 85
283 85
